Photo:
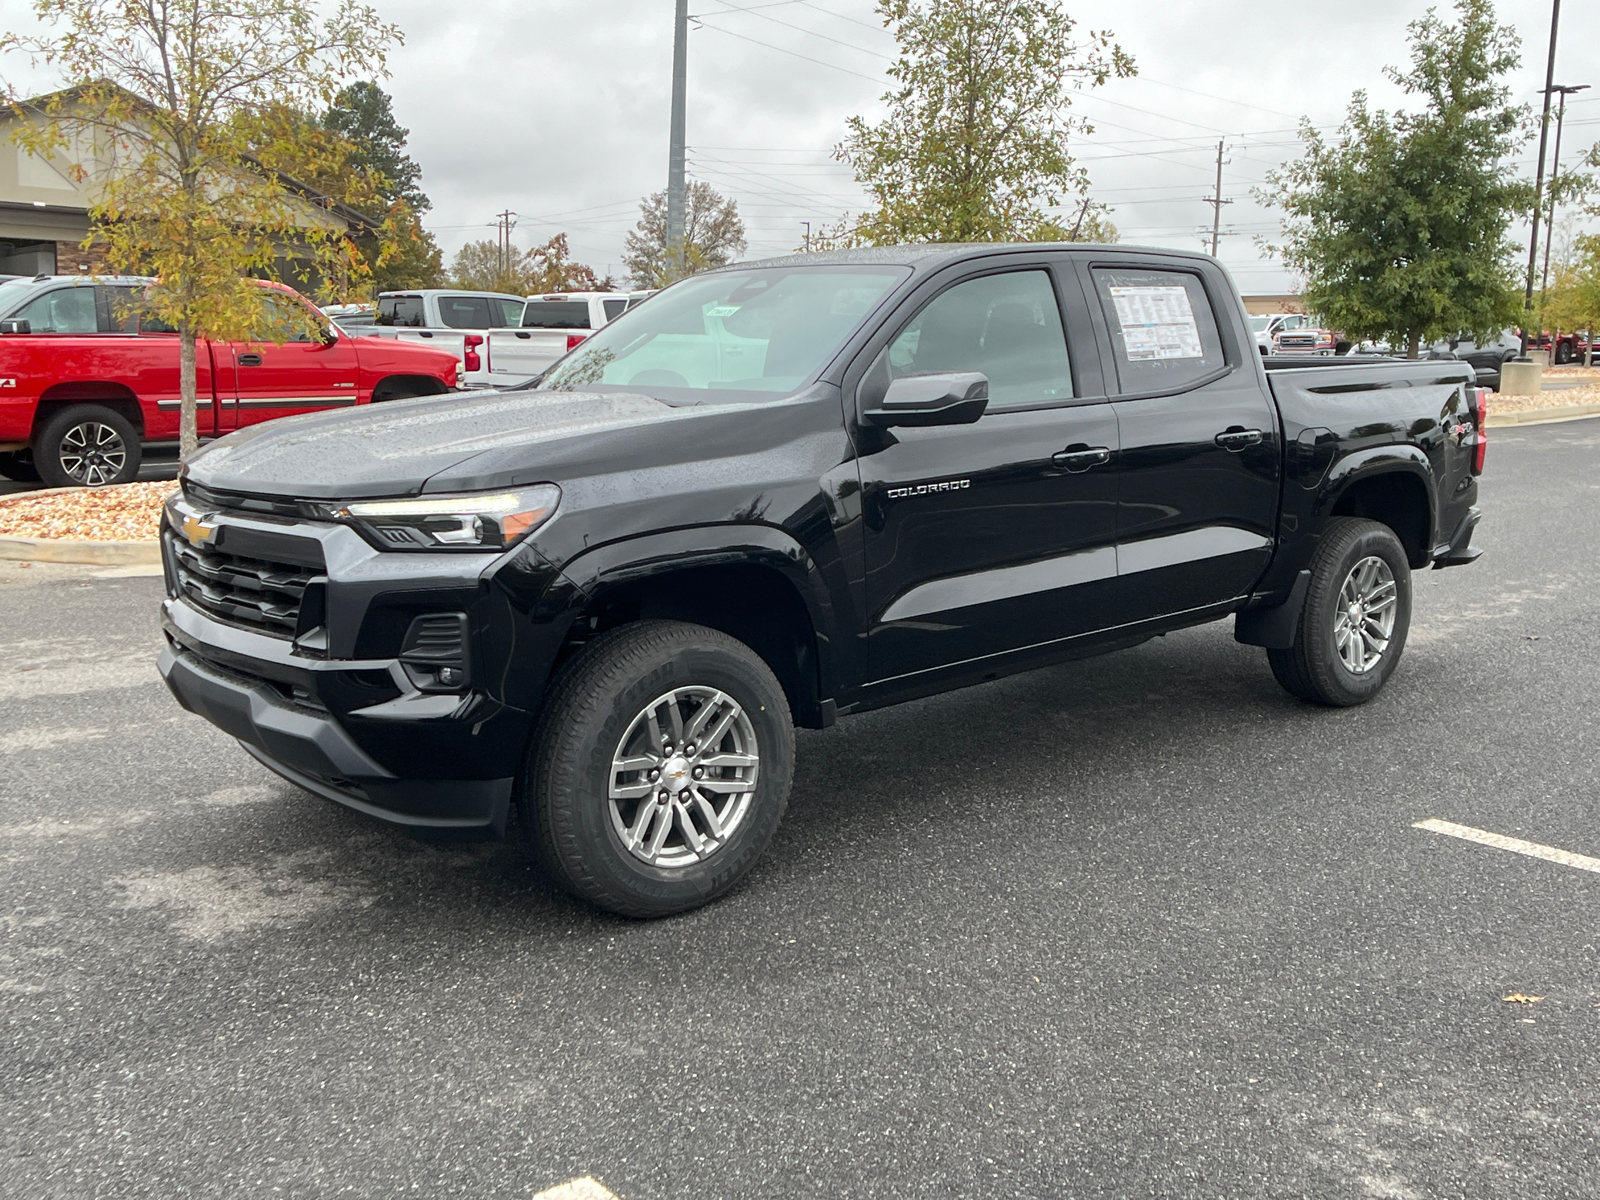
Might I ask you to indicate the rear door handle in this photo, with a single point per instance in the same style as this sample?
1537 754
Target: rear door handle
1237 439
249 360
1081 458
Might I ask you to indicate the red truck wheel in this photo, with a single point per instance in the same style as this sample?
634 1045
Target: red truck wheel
87 446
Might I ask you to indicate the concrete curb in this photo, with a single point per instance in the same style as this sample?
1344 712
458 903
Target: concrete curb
66 550
1540 416
96 554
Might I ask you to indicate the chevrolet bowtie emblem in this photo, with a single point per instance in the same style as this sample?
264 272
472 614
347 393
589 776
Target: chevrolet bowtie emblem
198 532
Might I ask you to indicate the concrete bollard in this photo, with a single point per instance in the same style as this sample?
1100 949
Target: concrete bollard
1521 379
1540 358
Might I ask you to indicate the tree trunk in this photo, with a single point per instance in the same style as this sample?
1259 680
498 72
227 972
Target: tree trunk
1413 345
188 430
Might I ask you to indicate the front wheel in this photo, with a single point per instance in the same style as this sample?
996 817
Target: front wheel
1357 613
661 768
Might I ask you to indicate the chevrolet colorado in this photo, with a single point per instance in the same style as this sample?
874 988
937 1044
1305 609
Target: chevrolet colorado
779 493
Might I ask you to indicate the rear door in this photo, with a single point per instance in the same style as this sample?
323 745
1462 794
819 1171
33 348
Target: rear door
1199 469
148 362
313 368
1000 535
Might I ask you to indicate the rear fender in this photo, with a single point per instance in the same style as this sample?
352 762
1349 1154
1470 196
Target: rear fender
1359 468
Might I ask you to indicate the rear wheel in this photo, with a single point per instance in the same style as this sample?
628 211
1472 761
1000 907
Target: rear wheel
1357 613
661 769
87 446
1563 354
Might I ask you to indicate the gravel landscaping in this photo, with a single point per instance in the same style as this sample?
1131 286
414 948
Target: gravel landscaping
129 512
1558 398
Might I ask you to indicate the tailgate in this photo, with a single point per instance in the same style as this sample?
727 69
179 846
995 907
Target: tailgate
517 355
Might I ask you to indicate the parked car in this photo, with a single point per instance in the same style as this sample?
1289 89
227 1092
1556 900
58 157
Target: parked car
88 380
552 324
1563 348
1307 337
449 319
1265 325
354 319
1486 359
783 492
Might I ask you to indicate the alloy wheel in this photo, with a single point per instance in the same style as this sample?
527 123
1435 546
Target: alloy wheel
1364 621
92 454
683 777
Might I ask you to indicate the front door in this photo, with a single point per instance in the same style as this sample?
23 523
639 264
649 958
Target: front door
1199 469
996 536
299 364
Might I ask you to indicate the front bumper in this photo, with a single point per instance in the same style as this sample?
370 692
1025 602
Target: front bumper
312 750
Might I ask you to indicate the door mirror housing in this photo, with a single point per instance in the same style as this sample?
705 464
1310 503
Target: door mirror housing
947 398
15 325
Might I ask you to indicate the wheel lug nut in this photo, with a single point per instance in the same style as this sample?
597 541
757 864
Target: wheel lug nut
654 774
684 795
689 749
663 796
699 772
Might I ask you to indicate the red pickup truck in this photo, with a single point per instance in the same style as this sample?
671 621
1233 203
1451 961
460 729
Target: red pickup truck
86 382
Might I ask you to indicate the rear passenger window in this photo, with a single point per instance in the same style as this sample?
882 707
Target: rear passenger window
64 310
1007 326
510 312
1163 332
614 308
465 312
400 310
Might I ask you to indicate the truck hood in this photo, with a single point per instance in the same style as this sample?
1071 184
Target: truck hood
469 442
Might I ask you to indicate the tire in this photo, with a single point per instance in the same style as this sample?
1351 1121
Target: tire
1563 354
18 465
402 387
599 712
1318 668
87 446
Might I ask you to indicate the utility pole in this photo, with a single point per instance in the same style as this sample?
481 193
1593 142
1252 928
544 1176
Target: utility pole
1538 176
505 222
675 155
807 224
1555 170
1216 203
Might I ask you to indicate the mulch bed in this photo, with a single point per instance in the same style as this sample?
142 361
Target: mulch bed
128 512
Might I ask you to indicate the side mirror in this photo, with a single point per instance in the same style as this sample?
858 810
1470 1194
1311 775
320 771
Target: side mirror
15 325
952 398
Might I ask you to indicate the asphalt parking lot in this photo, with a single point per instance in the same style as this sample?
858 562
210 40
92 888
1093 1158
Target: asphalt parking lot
1140 926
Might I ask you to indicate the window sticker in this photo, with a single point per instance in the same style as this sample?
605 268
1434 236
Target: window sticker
1157 323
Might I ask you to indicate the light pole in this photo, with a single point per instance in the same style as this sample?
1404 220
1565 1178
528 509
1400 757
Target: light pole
1555 170
1538 177
675 155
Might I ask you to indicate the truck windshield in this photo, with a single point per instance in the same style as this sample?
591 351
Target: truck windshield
729 336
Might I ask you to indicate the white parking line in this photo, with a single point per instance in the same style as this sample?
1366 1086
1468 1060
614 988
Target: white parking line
576 1189
1516 845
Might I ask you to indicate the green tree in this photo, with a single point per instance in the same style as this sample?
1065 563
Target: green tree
176 118
1573 301
713 233
1399 226
483 266
363 115
975 146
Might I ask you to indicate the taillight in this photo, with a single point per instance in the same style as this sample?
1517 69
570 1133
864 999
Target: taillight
574 338
1478 404
469 354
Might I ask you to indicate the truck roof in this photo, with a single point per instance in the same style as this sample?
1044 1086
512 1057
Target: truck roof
933 256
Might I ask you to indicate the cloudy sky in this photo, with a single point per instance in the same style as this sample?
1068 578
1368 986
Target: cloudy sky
558 109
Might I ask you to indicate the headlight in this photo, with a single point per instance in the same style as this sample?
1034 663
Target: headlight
479 521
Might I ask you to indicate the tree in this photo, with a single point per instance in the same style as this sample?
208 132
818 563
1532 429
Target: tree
975 146
483 266
1573 301
363 115
177 116
1399 227
713 237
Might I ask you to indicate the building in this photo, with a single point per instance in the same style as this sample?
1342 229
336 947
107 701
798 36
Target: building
44 211
1279 302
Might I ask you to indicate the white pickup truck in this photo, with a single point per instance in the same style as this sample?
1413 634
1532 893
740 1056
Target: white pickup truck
459 321
551 325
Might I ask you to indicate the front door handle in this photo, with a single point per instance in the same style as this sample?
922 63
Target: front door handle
249 360
1237 438
1081 458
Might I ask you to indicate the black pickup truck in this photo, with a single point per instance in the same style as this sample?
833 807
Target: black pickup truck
783 492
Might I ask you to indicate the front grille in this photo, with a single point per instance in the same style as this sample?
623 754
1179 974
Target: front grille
253 592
